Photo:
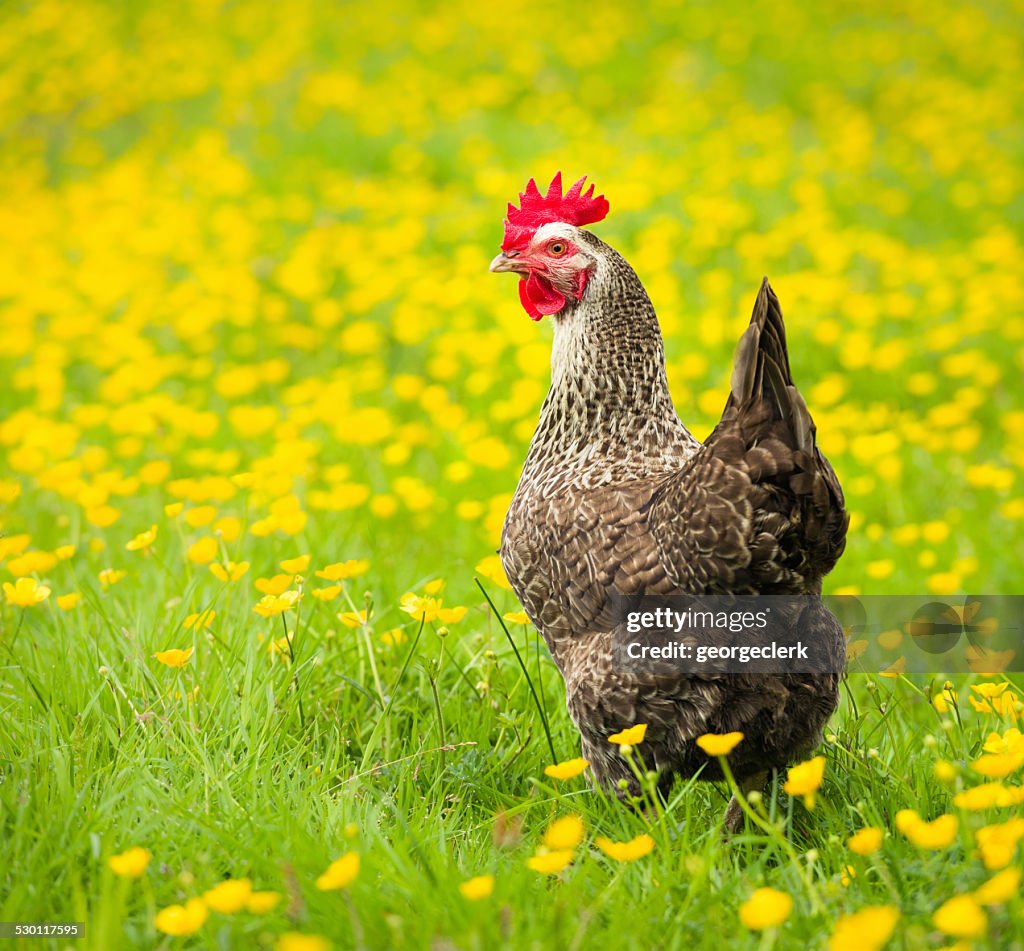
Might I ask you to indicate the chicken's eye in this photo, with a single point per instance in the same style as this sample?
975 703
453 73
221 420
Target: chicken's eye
556 248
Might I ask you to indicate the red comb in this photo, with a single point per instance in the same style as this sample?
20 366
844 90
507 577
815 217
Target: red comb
574 207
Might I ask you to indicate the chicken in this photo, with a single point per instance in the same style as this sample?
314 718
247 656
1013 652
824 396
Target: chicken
617 497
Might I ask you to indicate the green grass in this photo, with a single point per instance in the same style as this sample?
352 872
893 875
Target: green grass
233 784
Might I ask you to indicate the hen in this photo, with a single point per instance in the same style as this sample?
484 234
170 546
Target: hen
617 498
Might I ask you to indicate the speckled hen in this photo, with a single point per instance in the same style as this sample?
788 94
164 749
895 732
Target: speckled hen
616 496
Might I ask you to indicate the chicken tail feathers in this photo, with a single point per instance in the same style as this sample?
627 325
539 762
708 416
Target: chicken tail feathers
765 448
761 372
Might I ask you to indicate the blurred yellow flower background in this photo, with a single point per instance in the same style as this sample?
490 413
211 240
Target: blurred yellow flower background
244 255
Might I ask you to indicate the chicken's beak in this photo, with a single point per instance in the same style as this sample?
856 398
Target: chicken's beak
504 263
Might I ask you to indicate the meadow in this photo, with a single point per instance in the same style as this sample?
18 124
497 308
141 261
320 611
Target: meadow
264 409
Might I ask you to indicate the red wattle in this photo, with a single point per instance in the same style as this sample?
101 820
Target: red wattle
539 299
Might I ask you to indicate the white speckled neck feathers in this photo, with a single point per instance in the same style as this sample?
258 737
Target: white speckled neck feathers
609 399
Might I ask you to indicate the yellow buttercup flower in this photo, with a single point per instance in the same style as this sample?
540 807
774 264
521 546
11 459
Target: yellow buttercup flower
999 765
199 620
564 833
1011 741
111 576
995 698
203 551
475 889
961 917
179 920
342 570
630 736
944 699
997 843
260 903
569 769
719 744
626 851
25 592
32 563
516 617
131 863
174 657
296 941
490 568
200 515
143 541
987 796
937 834
229 571
67 601
11 545
766 908
354 618
228 528
340 873
896 668
281 647
1000 888
275 586
550 863
295 566
982 661
421 608
394 637
271 605
805 779
866 841
229 896
102 516
990 690
327 594
865 930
